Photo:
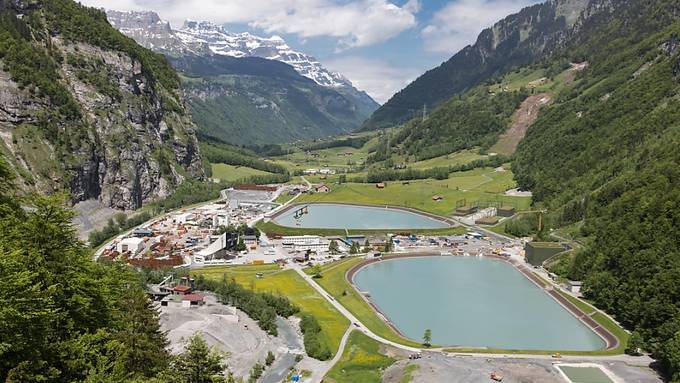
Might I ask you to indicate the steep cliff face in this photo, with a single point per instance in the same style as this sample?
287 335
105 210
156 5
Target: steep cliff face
86 110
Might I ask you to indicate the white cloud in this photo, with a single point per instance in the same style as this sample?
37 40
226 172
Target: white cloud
378 78
459 22
355 24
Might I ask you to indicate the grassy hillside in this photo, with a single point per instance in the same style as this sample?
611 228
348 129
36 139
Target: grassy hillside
483 184
229 173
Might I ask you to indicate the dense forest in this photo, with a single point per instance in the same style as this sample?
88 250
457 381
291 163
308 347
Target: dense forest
65 318
605 155
227 154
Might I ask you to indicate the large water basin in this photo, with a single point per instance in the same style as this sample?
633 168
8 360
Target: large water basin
473 302
339 216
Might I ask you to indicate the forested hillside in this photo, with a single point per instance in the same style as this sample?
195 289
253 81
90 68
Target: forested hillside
473 119
517 40
86 110
63 317
605 155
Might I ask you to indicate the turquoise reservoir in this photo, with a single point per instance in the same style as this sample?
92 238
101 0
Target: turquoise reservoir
339 216
473 302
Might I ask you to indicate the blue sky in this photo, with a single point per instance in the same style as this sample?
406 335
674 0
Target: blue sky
380 45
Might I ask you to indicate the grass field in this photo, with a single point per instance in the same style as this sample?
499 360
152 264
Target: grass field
233 173
483 184
362 361
333 280
533 78
335 158
289 284
283 198
459 158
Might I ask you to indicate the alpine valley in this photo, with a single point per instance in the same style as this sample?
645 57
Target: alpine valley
512 214
240 91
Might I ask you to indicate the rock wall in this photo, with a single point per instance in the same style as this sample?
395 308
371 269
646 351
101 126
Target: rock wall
133 143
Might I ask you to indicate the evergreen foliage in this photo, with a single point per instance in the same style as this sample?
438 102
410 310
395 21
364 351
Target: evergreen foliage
199 363
226 154
314 346
606 154
64 317
475 118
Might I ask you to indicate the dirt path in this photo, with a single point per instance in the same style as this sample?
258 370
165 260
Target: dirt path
521 121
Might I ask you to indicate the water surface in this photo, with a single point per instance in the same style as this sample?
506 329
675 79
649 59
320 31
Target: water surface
339 216
471 301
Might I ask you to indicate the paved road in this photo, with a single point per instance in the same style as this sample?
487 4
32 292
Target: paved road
348 314
278 371
318 374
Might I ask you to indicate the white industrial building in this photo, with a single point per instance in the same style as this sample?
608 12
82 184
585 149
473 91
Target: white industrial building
292 240
133 244
213 249
220 219
304 243
183 218
315 247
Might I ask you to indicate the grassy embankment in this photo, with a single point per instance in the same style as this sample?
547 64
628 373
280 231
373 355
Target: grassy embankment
334 282
362 361
289 284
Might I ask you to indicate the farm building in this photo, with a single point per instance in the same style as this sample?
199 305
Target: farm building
182 290
380 185
466 210
193 300
505 211
487 220
323 188
539 252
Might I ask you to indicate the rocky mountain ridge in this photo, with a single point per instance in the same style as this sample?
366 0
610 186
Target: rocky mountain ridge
244 89
87 111
529 35
202 37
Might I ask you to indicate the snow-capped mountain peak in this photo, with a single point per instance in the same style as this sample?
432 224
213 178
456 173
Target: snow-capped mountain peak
222 42
205 38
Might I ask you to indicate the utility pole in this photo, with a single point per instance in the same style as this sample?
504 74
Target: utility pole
424 112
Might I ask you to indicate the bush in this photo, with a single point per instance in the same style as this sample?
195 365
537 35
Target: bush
314 347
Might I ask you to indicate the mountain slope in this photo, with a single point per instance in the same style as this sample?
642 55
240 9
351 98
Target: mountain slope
263 107
248 101
515 41
87 110
604 157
